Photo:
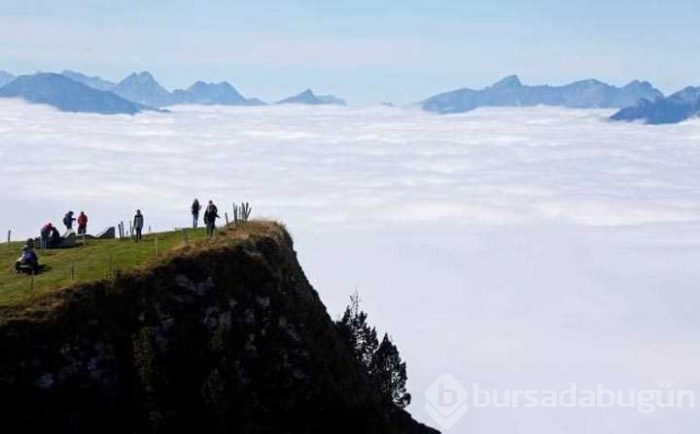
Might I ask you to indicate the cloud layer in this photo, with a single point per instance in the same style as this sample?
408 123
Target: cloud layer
516 248
374 166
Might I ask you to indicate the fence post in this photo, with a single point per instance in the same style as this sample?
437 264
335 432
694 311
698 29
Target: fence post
9 236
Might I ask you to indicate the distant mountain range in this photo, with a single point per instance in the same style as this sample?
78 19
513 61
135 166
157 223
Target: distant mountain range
308 97
511 92
140 90
77 92
67 95
676 108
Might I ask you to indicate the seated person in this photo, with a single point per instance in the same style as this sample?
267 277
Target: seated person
28 259
55 241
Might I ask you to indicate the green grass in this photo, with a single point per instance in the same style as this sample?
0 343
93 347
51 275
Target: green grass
98 259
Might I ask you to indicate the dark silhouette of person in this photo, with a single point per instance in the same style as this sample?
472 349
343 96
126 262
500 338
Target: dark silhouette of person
210 216
55 241
196 207
138 225
68 220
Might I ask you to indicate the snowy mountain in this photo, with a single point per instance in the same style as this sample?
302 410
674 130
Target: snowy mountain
94 82
511 92
67 95
676 108
144 89
211 94
5 77
308 97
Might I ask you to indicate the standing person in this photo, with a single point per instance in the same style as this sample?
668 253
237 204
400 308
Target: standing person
82 223
138 225
196 207
210 216
68 220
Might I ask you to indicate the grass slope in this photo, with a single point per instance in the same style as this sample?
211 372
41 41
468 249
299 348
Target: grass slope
98 259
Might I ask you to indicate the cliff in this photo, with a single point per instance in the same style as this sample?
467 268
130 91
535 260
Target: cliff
222 336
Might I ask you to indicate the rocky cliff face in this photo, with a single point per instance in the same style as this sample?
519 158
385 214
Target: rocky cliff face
224 337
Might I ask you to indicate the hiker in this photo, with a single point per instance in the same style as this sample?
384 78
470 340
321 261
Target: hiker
196 207
68 220
45 235
55 240
28 259
210 216
82 223
138 225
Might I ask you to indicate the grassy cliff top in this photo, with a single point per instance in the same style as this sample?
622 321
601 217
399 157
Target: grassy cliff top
103 259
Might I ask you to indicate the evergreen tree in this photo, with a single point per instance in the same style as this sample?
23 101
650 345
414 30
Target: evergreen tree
360 337
388 373
381 361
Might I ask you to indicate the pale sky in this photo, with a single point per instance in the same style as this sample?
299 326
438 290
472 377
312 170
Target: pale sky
365 51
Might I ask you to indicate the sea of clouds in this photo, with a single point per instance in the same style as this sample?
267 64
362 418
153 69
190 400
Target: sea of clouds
514 248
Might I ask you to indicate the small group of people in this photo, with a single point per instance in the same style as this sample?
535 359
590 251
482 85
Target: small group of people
51 238
211 213
28 260
82 221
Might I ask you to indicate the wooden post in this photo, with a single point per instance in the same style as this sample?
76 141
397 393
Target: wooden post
9 236
226 215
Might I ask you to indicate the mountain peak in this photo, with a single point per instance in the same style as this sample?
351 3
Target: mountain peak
143 88
310 98
508 82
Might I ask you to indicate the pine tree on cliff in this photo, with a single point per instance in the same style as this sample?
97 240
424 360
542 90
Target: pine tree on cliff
388 373
361 338
381 361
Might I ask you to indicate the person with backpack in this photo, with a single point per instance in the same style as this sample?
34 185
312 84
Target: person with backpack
196 207
82 223
138 225
68 220
210 216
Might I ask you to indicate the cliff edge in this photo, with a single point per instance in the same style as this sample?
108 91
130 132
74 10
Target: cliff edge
221 336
